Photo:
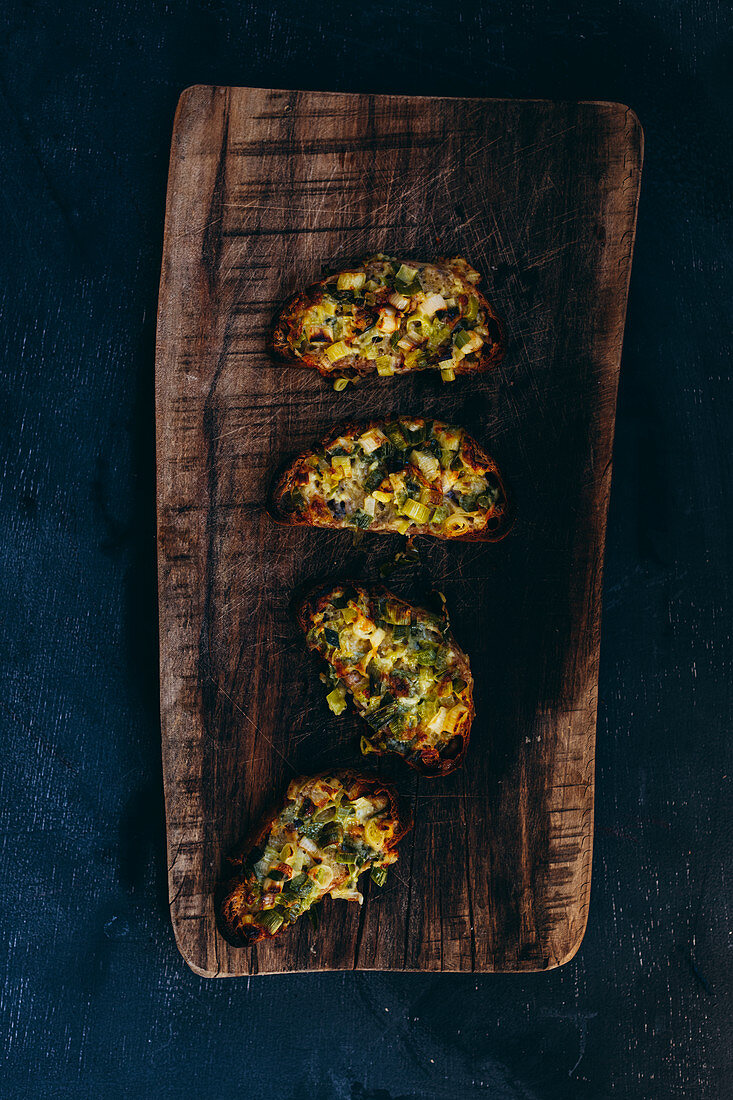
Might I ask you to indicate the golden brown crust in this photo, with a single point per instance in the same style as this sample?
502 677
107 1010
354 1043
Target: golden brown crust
231 897
428 762
498 525
286 322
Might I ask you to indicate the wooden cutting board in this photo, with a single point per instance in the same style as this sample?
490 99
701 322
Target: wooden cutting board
265 188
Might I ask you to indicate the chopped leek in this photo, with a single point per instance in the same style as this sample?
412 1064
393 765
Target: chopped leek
374 478
270 920
340 384
330 834
372 440
373 836
343 462
460 339
379 875
427 464
414 358
385 365
337 351
336 700
395 435
432 303
406 274
415 433
439 335
351 280
472 309
416 511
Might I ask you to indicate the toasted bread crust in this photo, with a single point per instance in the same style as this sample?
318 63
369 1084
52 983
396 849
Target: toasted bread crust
288 326
231 895
290 477
428 761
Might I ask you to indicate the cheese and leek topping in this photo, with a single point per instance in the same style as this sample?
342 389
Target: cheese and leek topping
391 317
407 475
319 844
409 681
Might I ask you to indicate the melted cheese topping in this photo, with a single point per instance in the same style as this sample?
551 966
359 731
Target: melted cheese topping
391 317
319 844
408 678
406 476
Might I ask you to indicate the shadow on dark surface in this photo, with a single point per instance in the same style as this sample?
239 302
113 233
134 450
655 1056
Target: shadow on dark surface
95 997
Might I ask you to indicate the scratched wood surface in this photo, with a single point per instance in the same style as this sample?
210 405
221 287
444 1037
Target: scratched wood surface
266 187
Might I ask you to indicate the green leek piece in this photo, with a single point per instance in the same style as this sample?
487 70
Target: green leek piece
270 920
379 875
330 834
361 519
337 351
336 700
416 511
351 281
406 274
374 478
439 335
415 435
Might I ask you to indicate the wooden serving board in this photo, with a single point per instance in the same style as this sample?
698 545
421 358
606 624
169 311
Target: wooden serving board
265 188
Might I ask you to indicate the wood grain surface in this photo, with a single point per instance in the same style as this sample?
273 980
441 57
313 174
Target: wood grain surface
265 187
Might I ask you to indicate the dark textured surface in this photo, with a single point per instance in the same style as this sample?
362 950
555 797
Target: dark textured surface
96 999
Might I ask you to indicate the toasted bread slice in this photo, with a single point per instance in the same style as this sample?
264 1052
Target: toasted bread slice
330 830
406 476
387 316
409 680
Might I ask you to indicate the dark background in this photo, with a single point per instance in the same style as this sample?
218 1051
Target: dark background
95 998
